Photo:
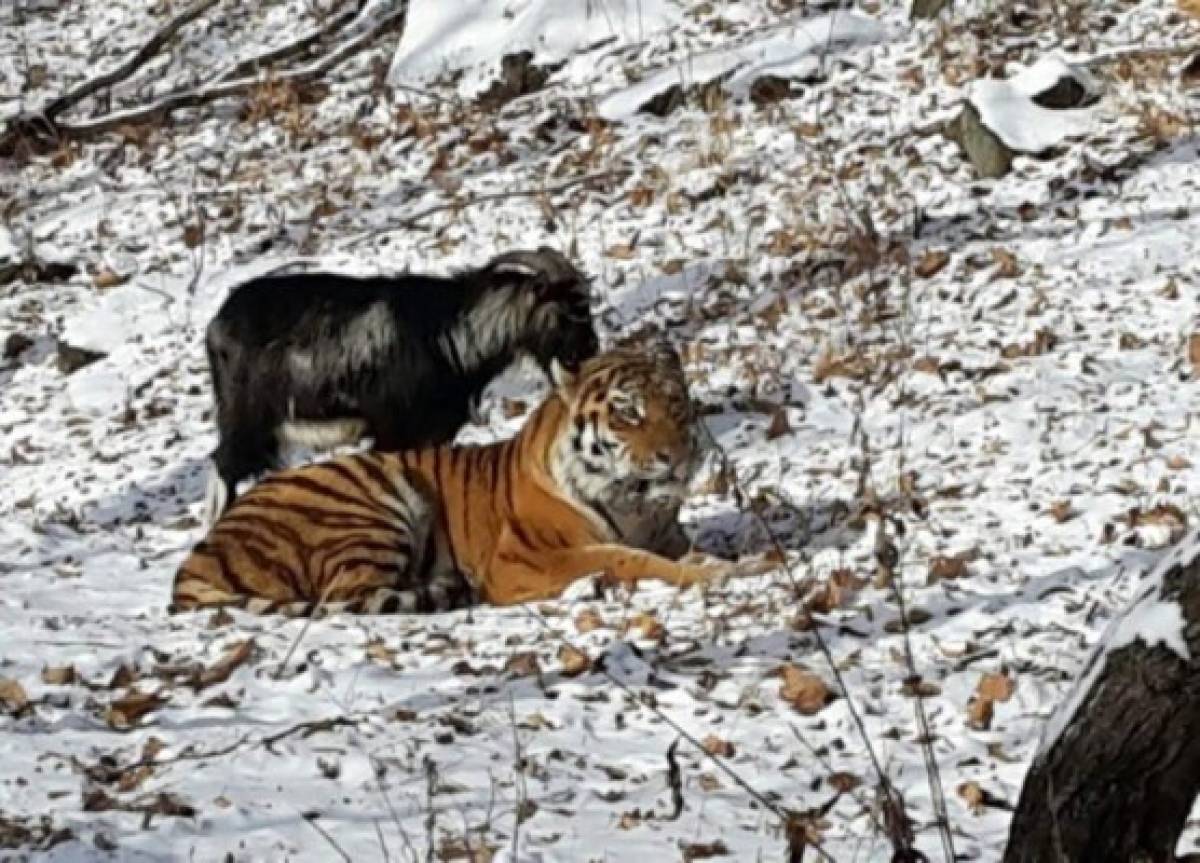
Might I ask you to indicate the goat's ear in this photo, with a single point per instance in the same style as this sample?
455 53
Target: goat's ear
564 381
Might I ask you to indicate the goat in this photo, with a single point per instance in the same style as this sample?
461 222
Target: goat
323 359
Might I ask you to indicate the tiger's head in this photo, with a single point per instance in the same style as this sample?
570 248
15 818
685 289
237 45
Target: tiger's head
628 433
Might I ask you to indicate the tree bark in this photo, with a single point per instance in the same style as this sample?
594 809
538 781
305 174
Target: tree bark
1119 766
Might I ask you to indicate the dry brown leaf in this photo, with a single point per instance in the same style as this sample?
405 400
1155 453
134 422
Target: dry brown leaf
1166 515
648 625
1178 462
225 666
588 620
714 745
621 251
1194 353
847 365
972 793
1043 342
843 782
380 652
1006 263
1061 510
931 263
947 568
979 713
996 687
703 850
802 689
105 277
574 661
779 424
524 664
61 675
125 712
12 695
929 365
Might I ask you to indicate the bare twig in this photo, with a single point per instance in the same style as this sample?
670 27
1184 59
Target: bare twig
138 59
311 820
528 192
253 65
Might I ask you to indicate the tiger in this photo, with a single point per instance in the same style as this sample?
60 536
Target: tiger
581 489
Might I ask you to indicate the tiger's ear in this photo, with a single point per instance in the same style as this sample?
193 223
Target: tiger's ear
564 381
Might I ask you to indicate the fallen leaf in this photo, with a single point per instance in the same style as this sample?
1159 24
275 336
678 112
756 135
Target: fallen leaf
61 675
1194 353
996 687
524 664
979 713
972 794
107 278
803 690
225 666
703 850
1178 462
779 424
588 620
12 695
714 745
621 251
931 263
1006 263
574 661
380 652
843 782
1062 510
125 712
647 625
943 568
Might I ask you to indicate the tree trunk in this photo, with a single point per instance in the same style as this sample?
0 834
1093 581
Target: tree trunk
1119 765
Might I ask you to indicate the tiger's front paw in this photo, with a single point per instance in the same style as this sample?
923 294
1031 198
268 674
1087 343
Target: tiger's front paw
705 569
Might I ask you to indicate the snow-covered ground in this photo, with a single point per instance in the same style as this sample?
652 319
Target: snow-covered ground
1002 367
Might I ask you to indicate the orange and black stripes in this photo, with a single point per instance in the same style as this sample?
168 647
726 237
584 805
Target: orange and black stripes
427 530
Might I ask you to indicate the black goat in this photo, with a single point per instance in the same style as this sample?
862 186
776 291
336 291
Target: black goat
325 359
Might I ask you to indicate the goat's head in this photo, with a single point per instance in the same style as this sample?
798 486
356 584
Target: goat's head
560 327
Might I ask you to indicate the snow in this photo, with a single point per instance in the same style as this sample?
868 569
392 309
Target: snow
471 37
1007 107
1049 465
795 51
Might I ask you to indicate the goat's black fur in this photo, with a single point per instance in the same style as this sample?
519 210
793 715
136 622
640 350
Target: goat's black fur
400 359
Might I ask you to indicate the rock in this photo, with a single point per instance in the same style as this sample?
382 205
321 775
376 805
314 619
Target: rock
665 102
767 89
991 158
927 8
71 359
16 344
1065 94
518 77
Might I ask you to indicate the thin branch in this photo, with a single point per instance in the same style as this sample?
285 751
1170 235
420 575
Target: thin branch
253 65
43 130
311 821
135 62
412 221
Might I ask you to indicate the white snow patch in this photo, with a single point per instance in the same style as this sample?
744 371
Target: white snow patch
1008 109
1148 619
795 52
471 36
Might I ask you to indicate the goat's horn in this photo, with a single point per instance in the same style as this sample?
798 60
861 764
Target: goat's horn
543 262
